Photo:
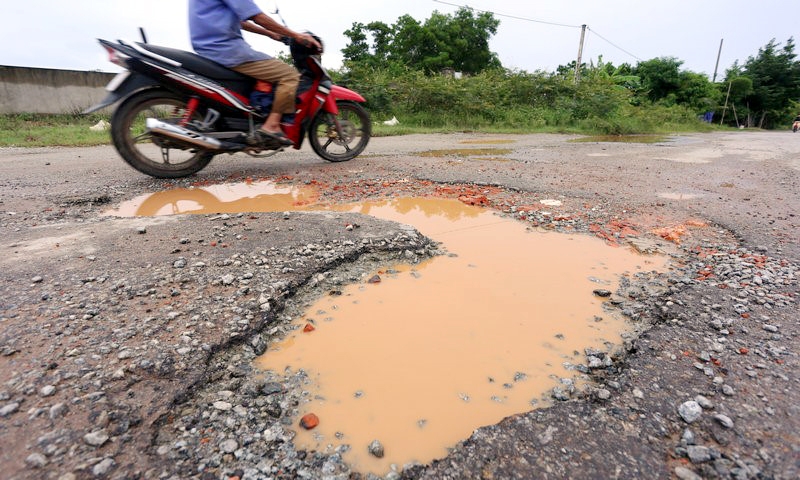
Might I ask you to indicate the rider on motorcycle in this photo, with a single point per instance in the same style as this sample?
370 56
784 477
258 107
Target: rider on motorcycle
216 27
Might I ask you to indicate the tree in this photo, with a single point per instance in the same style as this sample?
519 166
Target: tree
663 82
459 42
775 76
660 78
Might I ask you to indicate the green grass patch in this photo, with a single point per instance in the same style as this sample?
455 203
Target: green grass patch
45 130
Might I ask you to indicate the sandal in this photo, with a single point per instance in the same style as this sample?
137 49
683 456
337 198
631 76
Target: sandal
264 139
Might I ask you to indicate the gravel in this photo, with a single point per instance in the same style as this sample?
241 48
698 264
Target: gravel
127 347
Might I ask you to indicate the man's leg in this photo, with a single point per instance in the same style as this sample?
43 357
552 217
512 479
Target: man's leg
287 78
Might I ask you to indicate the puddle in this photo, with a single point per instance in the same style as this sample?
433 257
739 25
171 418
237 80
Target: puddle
466 152
229 198
623 139
679 195
433 351
499 141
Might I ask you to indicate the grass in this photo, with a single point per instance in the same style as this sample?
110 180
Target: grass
45 130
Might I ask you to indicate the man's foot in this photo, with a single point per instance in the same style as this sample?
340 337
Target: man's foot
262 138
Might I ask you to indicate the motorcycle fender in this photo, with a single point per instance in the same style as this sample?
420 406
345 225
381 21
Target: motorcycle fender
122 86
340 93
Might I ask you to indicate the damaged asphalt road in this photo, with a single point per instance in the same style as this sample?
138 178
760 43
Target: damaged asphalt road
126 344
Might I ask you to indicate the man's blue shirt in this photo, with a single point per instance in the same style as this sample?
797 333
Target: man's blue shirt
215 29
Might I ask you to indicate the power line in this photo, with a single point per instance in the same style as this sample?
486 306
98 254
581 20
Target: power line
508 16
543 22
613 45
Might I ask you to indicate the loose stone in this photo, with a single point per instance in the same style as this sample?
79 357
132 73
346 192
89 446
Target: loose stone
724 420
229 446
684 473
698 453
96 439
102 468
9 409
309 421
376 449
47 390
690 411
36 460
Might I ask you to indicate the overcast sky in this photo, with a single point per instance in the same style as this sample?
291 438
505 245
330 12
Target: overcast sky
62 34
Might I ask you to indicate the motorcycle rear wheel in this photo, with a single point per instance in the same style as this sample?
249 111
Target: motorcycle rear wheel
151 155
345 142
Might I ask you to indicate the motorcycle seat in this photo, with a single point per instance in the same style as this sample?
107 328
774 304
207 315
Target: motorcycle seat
208 68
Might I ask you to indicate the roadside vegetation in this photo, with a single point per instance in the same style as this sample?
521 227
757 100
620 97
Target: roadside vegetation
440 76
43 130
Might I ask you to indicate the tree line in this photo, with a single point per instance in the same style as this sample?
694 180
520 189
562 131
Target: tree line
406 68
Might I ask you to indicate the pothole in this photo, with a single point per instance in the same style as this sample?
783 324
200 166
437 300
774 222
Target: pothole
416 357
679 195
622 139
466 152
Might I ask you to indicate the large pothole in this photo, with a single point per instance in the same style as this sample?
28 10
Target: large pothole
402 363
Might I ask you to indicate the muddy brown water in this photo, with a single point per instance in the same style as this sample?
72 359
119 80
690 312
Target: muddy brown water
433 351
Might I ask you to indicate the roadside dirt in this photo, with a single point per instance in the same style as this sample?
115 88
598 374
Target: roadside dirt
110 327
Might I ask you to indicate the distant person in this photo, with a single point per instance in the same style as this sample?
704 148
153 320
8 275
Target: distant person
796 123
216 27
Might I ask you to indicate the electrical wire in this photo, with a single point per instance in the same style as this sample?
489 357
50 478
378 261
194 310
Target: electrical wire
508 16
612 44
543 22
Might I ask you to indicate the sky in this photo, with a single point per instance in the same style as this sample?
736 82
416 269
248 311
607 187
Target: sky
533 35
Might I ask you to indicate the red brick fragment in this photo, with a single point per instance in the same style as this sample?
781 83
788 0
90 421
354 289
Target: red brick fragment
309 421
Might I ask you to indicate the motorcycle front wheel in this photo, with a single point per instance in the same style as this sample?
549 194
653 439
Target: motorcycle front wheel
342 137
155 156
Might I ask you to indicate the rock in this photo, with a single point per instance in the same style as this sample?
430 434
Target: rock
698 453
684 473
47 390
58 410
102 468
96 439
724 420
376 449
600 292
704 402
9 409
224 406
229 446
36 460
309 421
690 411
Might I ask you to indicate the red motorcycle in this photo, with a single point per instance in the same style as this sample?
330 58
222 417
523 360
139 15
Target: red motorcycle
179 110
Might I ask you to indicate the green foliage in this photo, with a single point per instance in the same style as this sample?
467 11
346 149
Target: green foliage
775 76
514 101
457 42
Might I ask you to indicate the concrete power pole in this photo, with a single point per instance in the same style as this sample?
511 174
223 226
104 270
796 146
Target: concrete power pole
580 55
713 80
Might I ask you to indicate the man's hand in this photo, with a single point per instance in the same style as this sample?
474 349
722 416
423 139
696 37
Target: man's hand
307 41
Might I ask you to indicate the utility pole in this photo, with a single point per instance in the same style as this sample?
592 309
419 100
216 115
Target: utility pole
580 55
713 80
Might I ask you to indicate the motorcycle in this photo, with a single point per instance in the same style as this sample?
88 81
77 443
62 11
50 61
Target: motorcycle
178 110
796 126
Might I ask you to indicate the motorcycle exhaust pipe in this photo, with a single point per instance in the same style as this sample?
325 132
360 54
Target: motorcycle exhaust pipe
176 132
